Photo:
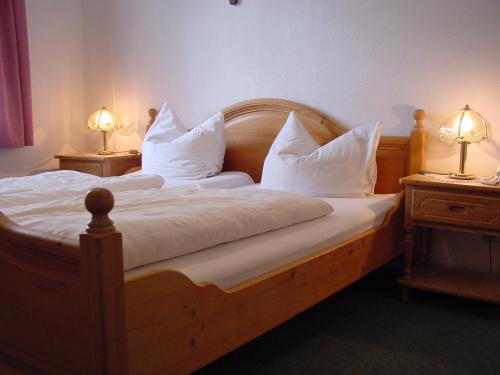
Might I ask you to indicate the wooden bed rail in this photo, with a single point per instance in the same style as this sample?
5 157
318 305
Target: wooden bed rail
62 305
207 322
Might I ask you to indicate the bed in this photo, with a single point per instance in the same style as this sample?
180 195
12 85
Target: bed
70 310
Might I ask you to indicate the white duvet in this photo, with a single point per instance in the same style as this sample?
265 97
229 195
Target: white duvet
160 224
16 191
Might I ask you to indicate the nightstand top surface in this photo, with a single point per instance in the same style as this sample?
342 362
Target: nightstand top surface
96 157
441 181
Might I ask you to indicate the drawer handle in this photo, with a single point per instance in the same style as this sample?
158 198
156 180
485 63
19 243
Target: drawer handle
455 208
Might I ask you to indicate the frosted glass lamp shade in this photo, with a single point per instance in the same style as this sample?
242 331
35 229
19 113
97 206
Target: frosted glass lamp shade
104 120
464 127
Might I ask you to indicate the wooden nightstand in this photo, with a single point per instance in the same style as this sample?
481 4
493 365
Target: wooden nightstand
100 165
457 206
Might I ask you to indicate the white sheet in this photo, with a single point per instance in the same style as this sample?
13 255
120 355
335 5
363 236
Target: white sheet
159 224
233 263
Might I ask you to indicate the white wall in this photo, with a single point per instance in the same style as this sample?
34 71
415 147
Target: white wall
55 42
353 60
97 63
356 61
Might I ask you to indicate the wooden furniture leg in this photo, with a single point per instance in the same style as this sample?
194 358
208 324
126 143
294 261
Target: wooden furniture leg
409 241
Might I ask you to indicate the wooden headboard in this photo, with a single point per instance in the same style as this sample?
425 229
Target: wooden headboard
252 125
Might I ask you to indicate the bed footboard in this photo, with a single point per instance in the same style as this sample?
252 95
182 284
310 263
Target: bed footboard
175 326
62 305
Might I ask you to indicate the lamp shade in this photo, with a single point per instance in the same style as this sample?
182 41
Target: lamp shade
465 125
104 120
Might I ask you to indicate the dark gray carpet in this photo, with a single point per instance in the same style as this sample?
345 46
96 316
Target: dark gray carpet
365 329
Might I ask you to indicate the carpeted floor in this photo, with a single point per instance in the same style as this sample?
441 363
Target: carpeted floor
365 329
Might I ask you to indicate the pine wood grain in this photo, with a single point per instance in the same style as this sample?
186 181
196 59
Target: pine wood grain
100 165
457 206
175 326
70 312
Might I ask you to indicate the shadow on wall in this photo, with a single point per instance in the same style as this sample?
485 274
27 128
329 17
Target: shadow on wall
404 113
128 137
440 150
491 148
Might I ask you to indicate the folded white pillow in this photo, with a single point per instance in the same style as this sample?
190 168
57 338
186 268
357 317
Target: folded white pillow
344 167
173 152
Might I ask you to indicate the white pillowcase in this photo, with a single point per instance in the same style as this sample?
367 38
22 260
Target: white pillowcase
173 152
344 167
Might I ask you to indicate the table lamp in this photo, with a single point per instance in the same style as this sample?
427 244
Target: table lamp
464 127
104 120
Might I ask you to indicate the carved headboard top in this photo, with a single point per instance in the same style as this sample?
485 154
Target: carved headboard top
252 125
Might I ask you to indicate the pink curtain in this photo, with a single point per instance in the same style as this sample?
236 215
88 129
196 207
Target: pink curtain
16 124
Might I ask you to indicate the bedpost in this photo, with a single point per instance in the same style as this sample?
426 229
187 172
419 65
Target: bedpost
152 112
416 160
102 277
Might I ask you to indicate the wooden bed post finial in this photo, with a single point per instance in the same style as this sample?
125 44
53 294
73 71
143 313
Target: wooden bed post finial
419 116
417 144
152 112
99 202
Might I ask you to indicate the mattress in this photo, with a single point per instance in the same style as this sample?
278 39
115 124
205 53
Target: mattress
233 263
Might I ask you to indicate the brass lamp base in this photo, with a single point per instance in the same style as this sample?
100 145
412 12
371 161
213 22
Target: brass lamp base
105 152
461 176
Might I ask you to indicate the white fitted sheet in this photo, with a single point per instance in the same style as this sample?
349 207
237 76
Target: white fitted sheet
233 263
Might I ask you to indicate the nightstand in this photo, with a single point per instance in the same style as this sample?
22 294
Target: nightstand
100 165
458 206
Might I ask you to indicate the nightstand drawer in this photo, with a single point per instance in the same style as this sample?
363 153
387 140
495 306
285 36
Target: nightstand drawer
100 165
84 167
462 209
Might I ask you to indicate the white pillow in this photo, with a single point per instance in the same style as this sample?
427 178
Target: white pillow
344 167
172 152
166 127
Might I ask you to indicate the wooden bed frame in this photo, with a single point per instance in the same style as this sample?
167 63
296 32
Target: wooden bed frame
66 308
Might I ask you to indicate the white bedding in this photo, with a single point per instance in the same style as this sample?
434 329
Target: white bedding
46 181
230 264
44 187
224 180
159 224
